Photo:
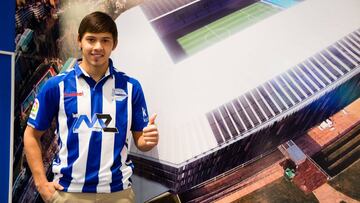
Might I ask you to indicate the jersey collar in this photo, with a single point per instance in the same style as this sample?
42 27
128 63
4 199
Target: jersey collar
79 71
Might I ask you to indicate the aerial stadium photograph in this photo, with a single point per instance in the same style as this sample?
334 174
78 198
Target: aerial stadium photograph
257 100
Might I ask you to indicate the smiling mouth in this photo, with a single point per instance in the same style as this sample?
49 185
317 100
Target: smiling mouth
97 55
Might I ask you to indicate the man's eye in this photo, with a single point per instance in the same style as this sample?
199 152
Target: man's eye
91 40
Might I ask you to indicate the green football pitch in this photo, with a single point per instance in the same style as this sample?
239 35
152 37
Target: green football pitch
224 27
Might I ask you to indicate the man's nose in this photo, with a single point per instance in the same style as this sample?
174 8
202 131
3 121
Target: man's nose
98 45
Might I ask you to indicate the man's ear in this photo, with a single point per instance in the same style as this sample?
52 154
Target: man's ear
79 42
115 44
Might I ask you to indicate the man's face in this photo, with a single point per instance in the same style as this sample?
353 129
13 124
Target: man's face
96 48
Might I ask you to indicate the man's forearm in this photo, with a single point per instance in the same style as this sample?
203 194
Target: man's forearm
32 147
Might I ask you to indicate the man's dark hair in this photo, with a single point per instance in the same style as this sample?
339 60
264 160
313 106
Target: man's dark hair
97 22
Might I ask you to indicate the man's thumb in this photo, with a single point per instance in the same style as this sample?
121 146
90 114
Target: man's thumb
152 119
58 186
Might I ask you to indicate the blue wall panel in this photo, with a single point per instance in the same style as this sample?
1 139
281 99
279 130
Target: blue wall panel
5 103
7 25
7 36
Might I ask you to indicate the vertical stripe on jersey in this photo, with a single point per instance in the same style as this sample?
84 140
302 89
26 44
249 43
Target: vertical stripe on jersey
121 124
94 146
125 168
129 117
62 133
83 109
70 106
107 145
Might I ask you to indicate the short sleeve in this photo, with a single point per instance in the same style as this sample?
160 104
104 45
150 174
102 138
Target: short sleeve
45 106
140 116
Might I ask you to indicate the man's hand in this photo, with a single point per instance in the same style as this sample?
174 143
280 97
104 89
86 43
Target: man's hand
47 190
150 133
148 138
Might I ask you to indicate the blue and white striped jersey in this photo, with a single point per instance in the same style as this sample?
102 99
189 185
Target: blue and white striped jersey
93 127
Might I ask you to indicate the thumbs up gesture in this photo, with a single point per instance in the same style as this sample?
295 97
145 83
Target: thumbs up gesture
150 133
152 119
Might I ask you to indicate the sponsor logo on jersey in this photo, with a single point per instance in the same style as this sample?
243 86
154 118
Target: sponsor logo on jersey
145 116
98 123
73 94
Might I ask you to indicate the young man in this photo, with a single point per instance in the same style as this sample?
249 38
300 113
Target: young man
95 106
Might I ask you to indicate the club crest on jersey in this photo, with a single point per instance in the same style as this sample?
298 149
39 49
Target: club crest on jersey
119 94
35 109
98 123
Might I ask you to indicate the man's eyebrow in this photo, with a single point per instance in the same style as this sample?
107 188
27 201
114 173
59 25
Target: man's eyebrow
93 36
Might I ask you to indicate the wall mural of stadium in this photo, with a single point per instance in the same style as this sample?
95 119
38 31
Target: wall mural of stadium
238 86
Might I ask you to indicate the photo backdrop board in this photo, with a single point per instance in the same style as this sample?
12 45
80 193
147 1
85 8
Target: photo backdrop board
195 96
